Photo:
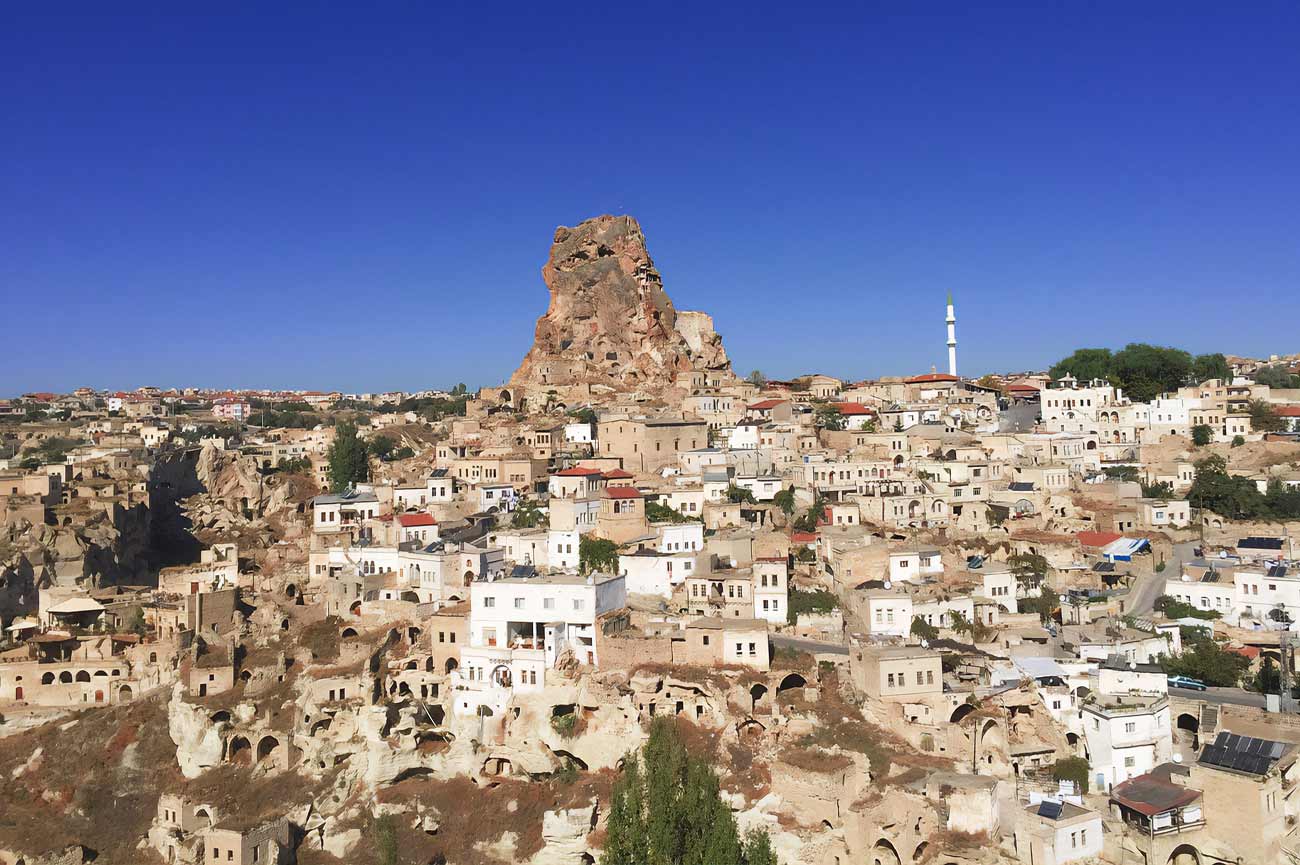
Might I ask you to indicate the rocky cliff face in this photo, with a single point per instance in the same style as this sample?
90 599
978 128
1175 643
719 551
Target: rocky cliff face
610 327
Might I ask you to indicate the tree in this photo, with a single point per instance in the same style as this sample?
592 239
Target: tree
293 465
656 512
666 809
1238 441
1044 604
1263 418
829 417
1276 377
1208 366
809 601
384 832
459 389
1208 662
1160 490
1202 435
597 554
990 381
381 446
736 495
923 629
785 501
1085 364
1074 769
584 415
349 461
1121 473
756 378
1028 567
528 515
405 452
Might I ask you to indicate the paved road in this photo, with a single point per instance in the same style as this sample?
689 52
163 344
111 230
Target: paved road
1018 418
1233 696
1148 588
817 648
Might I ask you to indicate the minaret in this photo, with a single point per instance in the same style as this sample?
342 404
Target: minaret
952 338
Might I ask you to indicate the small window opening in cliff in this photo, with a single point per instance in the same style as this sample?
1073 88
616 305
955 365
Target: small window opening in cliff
602 251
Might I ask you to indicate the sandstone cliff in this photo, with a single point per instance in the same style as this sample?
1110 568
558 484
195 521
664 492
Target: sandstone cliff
610 327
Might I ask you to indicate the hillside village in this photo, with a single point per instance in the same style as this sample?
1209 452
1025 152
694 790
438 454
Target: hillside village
1037 618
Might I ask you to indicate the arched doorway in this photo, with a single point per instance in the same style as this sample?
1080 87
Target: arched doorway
267 747
451 665
756 695
1189 729
883 853
960 712
239 751
1184 854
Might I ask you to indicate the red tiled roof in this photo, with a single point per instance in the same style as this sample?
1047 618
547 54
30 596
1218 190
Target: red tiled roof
577 472
1024 387
1287 411
411 520
1097 539
930 377
765 404
803 537
622 493
853 408
617 474
1251 652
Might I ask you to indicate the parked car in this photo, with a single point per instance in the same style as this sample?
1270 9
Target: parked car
1185 682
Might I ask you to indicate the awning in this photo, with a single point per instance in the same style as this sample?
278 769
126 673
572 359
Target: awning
1124 549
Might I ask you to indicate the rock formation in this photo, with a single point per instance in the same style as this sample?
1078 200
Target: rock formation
610 327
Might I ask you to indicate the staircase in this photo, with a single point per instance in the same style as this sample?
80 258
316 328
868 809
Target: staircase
1209 723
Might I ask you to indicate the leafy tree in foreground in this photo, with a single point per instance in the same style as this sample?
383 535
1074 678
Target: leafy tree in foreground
1207 661
597 554
1202 434
785 501
348 458
1263 418
667 809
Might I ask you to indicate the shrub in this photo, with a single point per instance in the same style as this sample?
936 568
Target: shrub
1074 769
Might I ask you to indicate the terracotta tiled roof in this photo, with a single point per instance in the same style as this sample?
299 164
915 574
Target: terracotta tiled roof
577 472
853 408
763 405
412 520
622 493
1097 539
930 377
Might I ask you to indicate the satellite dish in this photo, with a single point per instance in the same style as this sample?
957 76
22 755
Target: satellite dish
1132 665
1223 554
925 644
1177 758
888 584
1185 578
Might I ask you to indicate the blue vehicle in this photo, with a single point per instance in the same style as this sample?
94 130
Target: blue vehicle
1187 683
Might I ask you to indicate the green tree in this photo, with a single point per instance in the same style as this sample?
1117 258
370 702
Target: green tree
349 460
1209 662
1043 604
756 378
1085 364
384 837
597 554
583 415
1028 567
381 447
1263 418
459 389
293 465
829 417
924 630
1074 769
1146 371
656 512
785 501
1160 490
1202 435
1121 473
1276 377
809 601
667 809
736 495
1238 441
1208 366
529 516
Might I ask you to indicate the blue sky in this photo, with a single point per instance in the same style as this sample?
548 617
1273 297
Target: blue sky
289 195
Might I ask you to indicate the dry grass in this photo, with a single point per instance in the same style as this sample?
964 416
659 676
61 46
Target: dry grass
474 816
815 760
96 783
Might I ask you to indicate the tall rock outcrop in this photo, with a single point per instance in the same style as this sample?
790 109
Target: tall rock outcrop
610 327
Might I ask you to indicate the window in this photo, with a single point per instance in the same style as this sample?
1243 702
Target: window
705 638
548 603
519 603
1130 762
1130 727
578 603
1083 837
752 650
1074 839
920 677
929 677
489 601
891 680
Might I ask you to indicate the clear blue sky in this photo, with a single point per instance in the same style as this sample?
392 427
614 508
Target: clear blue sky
290 195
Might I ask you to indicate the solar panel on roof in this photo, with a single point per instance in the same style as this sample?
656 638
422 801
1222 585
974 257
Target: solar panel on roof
1276 749
1049 809
1277 571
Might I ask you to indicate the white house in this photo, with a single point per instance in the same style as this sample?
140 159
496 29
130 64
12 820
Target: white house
1127 735
907 566
771 590
520 627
